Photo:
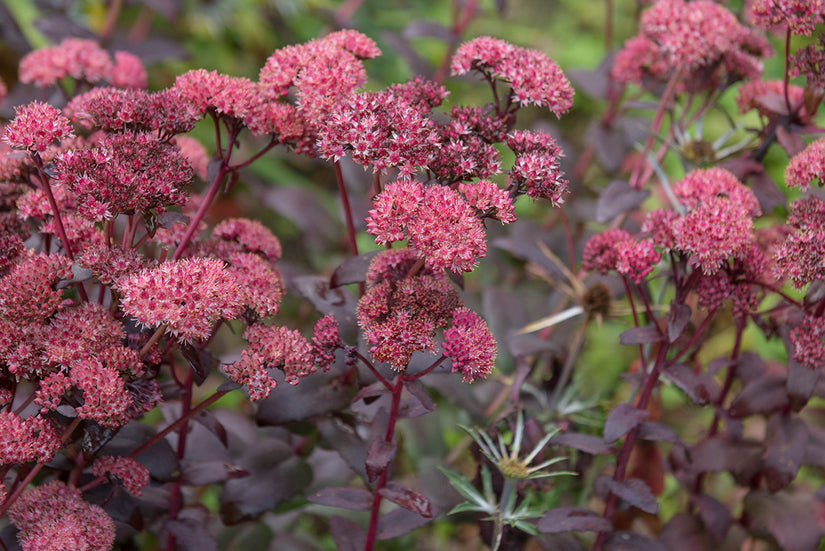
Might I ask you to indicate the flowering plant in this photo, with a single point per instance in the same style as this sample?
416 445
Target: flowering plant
130 302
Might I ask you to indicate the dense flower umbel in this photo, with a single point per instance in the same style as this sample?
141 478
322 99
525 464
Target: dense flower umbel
27 292
436 220
809 350
600 251
533 77
54 517
801 16
489 200
715 231
768 98
258 281
26 440
689 36
400 314
807 166
470 345
36 127
105 399
73 57
132 474
636 259
253 236
536 169
702 185
801 258
810 61
188 295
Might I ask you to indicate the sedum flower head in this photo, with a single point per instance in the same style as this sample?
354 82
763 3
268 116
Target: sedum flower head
533 77
188 296
489 200
807 166
132 474
809 350
27 291
253 236
54 517
73 57
702 185
800 16
36 127
470 345
537 169
636 259
128 71
26 440
600 253
436 220
105 399
801 257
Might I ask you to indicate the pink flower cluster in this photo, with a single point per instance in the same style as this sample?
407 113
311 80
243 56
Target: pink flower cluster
800 16
768 98
470 345
26 440
435 219
466 147
127 172
801 258
36 127
82 60
807 166
533 77
810 61
132 474
187 296
676 34
536 169
54 517
280 347
381 130
809 350
28 293
489 200
615 249
399 313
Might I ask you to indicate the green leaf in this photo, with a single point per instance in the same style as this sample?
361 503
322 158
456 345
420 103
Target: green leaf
463 486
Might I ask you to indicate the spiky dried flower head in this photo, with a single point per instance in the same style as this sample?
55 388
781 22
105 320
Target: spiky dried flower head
470 345
436 220
800 16
533 77
188 296
26 440
36 127
399 313
537 169
689 36
807 166
28 292
127 172
132 474
54 517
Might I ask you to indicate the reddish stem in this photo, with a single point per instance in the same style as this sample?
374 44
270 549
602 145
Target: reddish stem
176 498
342 189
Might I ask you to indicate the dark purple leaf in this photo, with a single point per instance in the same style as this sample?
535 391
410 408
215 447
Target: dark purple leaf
801 383
815 447
345 442
631 541
191 530
379 456
57 26
791 142
715 516
568 519
208 420
456 277
315 395
657 432
160 459
419 28
416 401
612 143
347 535
584 442
276 475
352 270
617 198
622 419
749 367
813 294
399 522
370 392
302 207
794 521
523 369
766 191
684 532
765 394
773 101
339 302
210 472
725 453
200 360
634 491
228 385
408 499
641 335
356 499
688 382
152 49
785 443
677 320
